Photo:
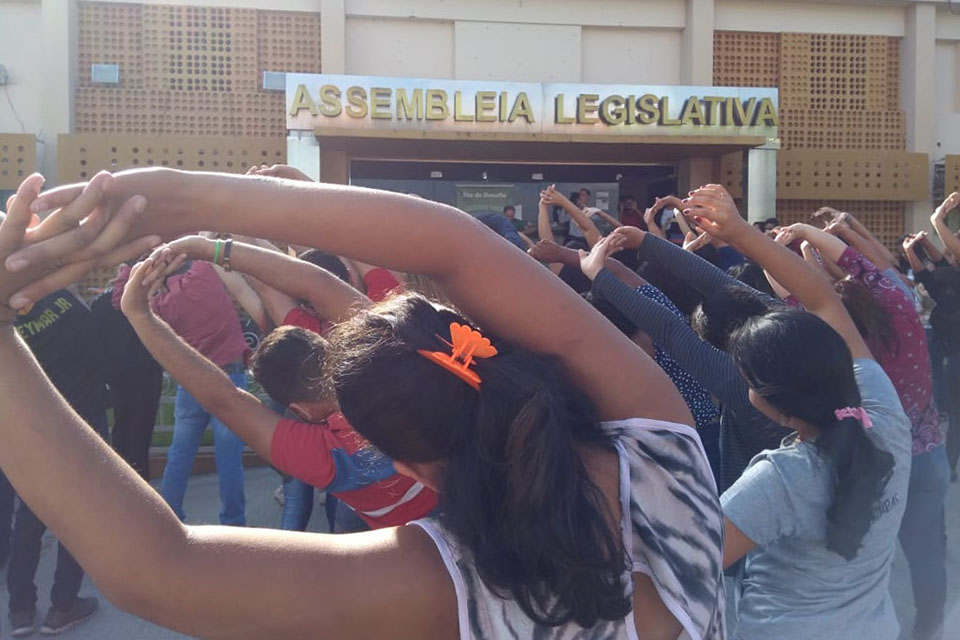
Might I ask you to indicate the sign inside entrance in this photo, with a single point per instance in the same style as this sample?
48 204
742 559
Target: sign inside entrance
317 101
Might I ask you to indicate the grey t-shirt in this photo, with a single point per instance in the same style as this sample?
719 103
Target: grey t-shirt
793 587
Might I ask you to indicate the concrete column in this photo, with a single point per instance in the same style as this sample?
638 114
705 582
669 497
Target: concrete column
303 152
334 167
59 51
333 38
696 45
760 188
917 91
693 173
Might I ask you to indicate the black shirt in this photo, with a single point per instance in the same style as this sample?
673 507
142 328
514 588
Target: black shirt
59 329
119 343
943 285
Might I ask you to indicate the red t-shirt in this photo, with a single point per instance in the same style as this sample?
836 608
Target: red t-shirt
333 457
380 283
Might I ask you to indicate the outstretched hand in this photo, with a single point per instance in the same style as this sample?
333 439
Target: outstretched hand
715 212
550 252
591 264
82 235
952 202
628 237
135 301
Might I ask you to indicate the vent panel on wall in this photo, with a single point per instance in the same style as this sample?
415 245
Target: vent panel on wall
18 159
884 219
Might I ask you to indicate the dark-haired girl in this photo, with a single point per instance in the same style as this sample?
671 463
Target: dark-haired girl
562 514
817 518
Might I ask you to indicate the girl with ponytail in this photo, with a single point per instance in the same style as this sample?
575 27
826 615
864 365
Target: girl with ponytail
575 497
817 518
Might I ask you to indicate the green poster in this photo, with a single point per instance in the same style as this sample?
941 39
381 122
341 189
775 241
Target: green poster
481 198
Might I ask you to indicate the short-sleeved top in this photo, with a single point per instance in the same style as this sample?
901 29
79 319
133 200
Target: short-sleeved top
379 283
333 457
60 331
793 587
671 529
197 306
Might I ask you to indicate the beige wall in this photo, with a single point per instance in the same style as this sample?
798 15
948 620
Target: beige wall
619 55
517 52
19 34
809 17
396 47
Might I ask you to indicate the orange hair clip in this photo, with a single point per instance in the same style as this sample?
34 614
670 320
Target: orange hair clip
467 345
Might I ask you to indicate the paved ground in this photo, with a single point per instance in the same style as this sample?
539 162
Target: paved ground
263 511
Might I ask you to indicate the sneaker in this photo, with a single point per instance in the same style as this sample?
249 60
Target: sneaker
23 623
58 620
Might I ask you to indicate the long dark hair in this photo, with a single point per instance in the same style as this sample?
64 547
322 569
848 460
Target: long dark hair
723 312
802 367
872 320
514 490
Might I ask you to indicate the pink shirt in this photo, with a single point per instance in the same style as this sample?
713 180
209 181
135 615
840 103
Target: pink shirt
908 364
197 306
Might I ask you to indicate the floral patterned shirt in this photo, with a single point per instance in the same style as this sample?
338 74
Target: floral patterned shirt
907 364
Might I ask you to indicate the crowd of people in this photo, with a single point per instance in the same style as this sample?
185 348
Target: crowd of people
587 426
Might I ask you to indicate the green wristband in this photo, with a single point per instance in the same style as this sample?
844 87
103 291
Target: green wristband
216 252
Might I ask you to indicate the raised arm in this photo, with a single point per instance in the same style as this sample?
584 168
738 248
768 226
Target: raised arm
866 245
544 230
606 216
579 217
715 211
939 220
933 252
501 288
330 297
245 295
909 249
204 581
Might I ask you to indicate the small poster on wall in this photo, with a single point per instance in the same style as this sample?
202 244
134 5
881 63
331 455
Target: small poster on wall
603 200
485 198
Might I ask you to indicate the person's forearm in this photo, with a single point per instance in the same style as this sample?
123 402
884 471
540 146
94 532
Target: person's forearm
244 294
686 266
544 230
204 380
869 247
933 251
590 232
609 218
830 247
806 284
949 240
90 498
914 260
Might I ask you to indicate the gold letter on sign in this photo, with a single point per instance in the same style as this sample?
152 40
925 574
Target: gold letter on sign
587 108
357 97
558 116
484 103
522 109
404 105
692 114
649 110
437 108
765 114
458 114
330 101
302 100
612 110
712 111
380 100
665 118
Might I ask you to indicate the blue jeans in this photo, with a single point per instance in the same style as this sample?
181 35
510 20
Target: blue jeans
189 423
297 504
923 538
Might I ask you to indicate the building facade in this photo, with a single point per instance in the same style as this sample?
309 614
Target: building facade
868 110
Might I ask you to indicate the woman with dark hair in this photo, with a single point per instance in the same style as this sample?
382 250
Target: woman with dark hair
561 513
817 519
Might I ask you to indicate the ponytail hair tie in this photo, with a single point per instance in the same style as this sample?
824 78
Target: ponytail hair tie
857 413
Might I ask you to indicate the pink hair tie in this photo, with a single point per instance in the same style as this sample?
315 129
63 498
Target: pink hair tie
858 413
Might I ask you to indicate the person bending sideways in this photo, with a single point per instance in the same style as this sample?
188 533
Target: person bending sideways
571 502
320 448
817 518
